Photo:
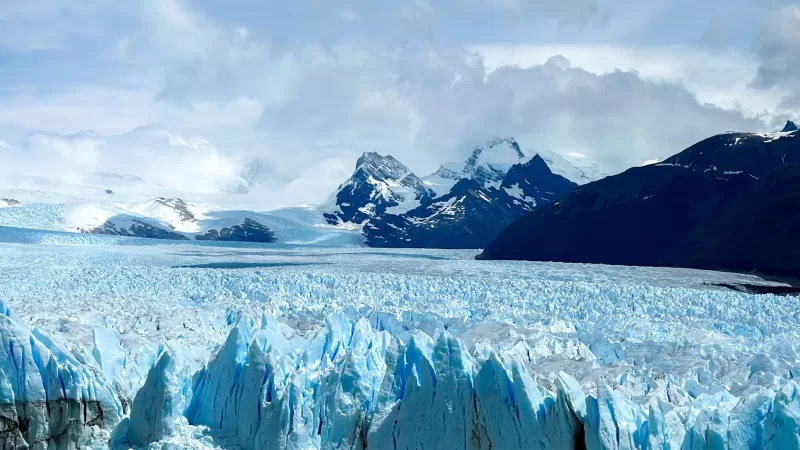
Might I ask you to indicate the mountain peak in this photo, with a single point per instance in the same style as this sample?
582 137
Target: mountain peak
790 126
539 162
381 167
377 184
500 151
487 164
463 185
371 155
368 158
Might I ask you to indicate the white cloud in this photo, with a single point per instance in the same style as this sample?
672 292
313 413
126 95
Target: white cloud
40 24
81 149
294 83
162 157
116 110
718 76
779 55
427 103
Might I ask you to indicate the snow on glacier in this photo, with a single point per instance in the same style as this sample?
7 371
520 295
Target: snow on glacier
287 346
292 225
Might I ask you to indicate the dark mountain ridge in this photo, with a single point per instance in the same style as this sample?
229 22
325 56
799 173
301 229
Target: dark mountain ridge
695 209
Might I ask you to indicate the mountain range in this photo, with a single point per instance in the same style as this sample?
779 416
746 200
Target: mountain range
461 205
383 203
173 218
728 202
731 201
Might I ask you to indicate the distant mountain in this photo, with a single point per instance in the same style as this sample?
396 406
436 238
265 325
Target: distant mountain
468 216
472 212
174 219
378 184
128 225
104 177
487 165
789 127
152 159
461 205
253 174
533 183
574 166
247 231
689 210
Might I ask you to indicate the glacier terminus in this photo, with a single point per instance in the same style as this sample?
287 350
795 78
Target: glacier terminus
203 345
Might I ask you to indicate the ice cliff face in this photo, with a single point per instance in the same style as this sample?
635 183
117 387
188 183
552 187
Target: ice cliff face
364 384
357 385
49 396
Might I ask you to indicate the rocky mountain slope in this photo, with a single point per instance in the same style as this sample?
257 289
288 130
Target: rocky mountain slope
461 205
378 184
726 202
471 213
173 218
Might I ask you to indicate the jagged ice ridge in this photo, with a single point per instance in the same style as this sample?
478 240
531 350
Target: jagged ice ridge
356 384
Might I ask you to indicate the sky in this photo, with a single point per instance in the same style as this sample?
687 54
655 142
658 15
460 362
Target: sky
203 96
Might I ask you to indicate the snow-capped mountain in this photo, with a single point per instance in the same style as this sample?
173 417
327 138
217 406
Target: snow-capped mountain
253 174
134 226
160 213
461 205
533 183
574 166
9 202
469 215
465 217
729 154
729 201
172 218
487 165
378 185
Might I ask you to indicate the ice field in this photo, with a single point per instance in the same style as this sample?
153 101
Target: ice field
120 342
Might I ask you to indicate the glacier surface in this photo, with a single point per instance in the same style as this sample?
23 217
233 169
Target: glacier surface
177 345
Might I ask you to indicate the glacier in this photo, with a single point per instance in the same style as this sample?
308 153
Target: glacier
182 345
48 395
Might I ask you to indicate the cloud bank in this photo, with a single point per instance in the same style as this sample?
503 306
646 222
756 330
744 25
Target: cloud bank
303 87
